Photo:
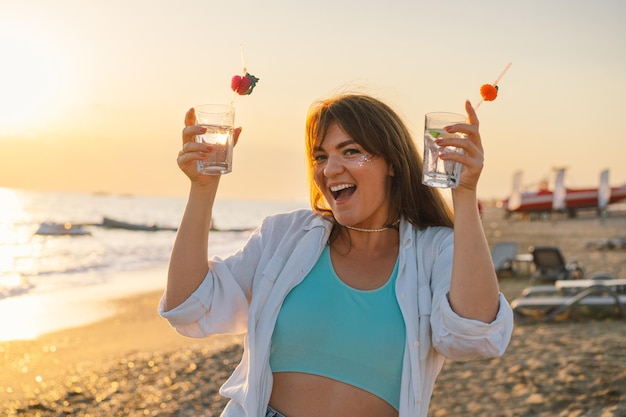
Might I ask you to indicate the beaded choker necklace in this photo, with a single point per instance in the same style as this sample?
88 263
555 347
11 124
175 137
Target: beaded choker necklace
382 229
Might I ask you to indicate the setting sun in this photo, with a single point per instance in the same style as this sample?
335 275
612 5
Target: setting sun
32 79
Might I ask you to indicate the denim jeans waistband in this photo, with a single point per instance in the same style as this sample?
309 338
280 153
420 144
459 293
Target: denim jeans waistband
272 413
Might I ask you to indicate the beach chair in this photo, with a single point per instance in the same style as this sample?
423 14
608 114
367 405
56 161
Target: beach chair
550 303
562 287
550 265
503 255
539 290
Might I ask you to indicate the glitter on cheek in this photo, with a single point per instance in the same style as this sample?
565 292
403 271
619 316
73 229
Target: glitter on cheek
364 159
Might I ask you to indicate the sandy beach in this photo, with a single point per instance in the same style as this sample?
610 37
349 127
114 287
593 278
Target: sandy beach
134 364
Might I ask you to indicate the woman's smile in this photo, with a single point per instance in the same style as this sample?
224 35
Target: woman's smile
342 191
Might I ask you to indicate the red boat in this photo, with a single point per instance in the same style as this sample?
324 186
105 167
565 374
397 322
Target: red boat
562 199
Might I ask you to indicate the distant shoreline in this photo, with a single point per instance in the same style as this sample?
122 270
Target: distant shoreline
41 313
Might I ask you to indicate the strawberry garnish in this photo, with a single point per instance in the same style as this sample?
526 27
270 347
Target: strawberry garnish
243 85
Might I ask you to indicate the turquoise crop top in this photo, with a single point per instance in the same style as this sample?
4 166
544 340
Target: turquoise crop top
328 328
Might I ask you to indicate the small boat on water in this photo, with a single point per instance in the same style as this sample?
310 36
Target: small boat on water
58 229
61 229
118 224
110 223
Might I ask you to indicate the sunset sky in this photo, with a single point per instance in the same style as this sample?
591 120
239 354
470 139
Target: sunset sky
93 94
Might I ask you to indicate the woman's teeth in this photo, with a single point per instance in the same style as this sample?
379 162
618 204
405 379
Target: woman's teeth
337 190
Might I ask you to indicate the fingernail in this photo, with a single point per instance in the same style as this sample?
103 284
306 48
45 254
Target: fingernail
447 128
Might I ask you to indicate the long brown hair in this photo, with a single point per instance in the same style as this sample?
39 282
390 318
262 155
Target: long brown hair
381 132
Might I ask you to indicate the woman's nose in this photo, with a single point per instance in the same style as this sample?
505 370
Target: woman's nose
334 165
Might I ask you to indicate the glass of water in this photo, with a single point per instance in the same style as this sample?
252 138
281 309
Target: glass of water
219 121
436 171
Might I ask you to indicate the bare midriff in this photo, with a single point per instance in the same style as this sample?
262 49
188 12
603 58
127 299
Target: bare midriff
296 394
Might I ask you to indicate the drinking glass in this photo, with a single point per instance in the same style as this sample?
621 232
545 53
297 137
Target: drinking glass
436 171
219 121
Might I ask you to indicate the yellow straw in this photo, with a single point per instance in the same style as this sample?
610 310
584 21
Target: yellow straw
245 71
243 60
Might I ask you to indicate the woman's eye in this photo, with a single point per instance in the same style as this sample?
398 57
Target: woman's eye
351 152
319 158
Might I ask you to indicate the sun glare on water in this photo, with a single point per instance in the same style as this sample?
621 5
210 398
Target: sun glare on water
33 77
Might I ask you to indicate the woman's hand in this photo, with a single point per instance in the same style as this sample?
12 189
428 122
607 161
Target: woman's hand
193 151
473 156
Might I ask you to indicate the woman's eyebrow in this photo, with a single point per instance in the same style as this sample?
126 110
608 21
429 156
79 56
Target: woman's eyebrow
345 143
320 148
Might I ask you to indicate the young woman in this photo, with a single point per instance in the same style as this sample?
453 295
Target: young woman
349 308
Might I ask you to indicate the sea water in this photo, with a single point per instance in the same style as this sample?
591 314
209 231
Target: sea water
41 275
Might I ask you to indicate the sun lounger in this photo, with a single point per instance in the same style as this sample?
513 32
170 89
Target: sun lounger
539 290
550 265
523 264
503 255
567 294
598 280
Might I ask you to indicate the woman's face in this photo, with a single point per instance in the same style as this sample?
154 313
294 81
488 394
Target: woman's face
354 183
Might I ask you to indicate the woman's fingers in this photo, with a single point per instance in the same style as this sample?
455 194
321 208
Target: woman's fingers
471 113
192 151
190 130
471 141
473 156
236 137
190 133
190 117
